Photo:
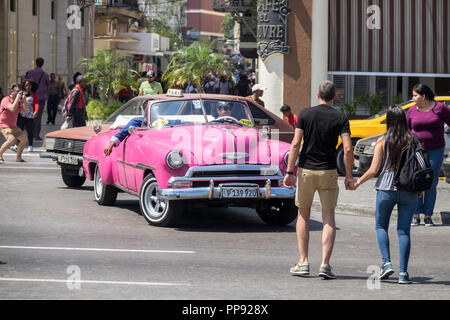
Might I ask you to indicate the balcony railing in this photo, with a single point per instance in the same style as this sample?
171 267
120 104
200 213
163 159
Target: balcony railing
234 5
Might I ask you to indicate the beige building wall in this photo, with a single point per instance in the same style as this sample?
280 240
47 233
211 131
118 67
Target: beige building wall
24 37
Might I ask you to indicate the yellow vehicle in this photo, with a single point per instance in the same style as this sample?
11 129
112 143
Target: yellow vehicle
372 126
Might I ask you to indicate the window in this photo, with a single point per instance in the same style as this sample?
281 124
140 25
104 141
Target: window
82 17
12 5
261 118
34 7
52 10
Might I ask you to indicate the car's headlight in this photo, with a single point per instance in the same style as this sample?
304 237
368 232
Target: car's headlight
175 159
286 159
370 149
49 144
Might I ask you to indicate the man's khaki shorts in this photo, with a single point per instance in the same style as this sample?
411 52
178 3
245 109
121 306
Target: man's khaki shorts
310 181
14 131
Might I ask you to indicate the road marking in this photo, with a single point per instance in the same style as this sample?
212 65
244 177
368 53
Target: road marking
98 249
29 168
130 283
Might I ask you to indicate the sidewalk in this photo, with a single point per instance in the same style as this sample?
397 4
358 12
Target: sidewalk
362 201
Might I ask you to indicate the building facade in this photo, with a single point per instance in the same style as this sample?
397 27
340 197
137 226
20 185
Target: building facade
121 25
203 23
367 47
50 29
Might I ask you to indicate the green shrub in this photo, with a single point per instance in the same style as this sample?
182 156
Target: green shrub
349 108
99 110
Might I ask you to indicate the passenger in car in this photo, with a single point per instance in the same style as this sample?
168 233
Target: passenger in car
117 139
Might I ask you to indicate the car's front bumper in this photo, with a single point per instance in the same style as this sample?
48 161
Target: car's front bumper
63 158
216 193
213 183
446 169
363 162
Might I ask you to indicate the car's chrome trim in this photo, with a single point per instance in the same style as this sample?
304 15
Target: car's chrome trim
214 193
139 166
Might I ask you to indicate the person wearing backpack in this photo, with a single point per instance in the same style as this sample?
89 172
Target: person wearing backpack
426 119
388 152
76 108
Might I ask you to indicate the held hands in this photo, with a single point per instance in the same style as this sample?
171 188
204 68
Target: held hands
351 183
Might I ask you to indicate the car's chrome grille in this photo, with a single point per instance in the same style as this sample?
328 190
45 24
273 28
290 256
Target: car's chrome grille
239 170
230 173
70 146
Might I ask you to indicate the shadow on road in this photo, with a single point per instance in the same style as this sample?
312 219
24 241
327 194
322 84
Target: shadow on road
232 220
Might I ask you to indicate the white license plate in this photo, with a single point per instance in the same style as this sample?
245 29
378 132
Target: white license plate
356 163
68 160
239 192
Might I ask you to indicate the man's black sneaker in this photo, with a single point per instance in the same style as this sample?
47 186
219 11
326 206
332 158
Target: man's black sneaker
428 222
386 271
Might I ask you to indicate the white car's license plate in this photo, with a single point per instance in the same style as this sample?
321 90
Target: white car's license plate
68 159
356 163
239 192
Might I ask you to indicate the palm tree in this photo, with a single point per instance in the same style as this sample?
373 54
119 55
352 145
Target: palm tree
109 72
195 63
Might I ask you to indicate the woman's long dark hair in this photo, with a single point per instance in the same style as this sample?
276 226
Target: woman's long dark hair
397 137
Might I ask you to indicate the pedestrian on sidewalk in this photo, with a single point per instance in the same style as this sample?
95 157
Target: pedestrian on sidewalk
54 92
25 119
389 149
77 108
426 119
257 93
42 79
319 127
10 107
289 117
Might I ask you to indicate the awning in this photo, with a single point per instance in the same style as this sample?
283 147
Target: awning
147 53
117 39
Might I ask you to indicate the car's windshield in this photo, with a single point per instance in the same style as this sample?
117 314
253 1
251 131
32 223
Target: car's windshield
188 112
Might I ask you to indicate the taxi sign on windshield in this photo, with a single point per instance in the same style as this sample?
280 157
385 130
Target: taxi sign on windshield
174 93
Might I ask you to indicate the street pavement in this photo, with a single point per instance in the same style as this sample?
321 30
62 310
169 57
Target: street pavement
57 243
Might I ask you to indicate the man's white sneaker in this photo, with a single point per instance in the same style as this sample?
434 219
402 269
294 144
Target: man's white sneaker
30 149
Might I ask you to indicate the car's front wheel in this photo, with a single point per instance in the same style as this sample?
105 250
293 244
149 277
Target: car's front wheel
71 178
158 212
105 195
278 212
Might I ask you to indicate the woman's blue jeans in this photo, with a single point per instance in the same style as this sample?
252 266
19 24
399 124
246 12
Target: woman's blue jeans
406 202
425 205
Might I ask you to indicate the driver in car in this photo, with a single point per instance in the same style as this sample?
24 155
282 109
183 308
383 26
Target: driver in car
224 110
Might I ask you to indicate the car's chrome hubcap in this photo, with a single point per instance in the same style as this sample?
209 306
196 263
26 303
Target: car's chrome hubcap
156 206
98 185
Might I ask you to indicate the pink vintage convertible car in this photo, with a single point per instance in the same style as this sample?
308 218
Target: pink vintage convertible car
193 152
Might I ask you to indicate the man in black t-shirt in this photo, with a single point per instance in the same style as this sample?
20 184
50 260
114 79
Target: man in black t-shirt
320 128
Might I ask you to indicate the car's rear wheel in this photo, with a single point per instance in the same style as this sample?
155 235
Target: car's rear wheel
71 178
105 195
278 212
158 212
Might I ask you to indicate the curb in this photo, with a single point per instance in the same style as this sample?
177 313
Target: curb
439 218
